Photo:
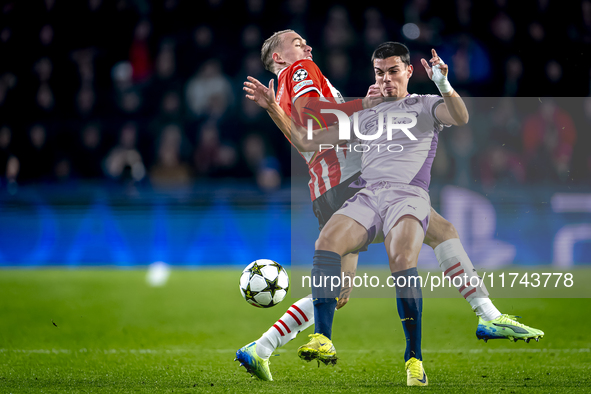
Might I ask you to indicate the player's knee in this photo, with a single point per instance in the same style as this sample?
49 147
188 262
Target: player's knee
449 231
324 242
441 231
401 262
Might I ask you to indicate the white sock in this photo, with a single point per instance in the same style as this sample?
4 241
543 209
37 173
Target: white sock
298 317
449 254
485 309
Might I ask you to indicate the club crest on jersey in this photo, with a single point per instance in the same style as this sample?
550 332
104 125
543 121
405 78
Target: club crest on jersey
300 75
371 125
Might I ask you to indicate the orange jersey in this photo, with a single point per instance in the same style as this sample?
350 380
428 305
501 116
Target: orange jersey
329 167
300 78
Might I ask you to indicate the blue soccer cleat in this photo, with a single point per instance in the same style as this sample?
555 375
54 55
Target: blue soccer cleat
506 327
254 364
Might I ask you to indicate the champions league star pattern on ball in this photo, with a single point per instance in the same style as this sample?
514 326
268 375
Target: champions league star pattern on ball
264 283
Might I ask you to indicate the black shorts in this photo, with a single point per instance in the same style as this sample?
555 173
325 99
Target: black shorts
331 201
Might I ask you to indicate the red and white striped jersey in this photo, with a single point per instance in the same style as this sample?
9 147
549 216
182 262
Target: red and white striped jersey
327 168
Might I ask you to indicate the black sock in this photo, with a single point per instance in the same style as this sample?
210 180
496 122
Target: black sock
409 300
326 264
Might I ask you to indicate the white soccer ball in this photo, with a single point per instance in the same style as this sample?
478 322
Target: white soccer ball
264 283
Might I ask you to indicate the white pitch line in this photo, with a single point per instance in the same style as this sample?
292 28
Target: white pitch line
168 351
69 351
456 351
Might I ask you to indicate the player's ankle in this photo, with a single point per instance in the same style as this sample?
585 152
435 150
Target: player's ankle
485 309
262 350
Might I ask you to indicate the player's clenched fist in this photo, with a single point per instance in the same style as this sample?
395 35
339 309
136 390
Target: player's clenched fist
373 97
374 91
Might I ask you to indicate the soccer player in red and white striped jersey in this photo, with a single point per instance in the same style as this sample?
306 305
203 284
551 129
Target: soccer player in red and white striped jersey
300 84
441 235
287 55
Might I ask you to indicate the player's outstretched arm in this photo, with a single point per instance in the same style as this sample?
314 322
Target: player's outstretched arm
264 97
453 111
299 135
281 119
259 93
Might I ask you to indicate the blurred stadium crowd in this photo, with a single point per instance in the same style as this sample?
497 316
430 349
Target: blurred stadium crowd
143 92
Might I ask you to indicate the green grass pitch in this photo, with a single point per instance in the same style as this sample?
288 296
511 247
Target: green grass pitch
84 331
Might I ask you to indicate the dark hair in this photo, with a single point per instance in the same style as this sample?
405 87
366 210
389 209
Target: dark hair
391 48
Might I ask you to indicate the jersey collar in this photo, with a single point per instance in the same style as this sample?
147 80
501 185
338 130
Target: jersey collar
284 68
279 73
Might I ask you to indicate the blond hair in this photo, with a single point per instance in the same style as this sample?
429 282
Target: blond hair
269 47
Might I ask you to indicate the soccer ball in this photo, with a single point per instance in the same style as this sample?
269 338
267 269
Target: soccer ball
264 283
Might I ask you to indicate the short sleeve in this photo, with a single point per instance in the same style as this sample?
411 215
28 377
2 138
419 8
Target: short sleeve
305 77
430 104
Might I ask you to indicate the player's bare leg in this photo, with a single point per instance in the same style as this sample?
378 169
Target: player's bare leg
403 244
439 230
340 236
453 260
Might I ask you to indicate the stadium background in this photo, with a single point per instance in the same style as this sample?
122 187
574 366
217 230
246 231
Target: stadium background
124 124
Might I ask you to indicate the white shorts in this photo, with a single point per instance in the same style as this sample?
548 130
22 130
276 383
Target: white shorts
379 206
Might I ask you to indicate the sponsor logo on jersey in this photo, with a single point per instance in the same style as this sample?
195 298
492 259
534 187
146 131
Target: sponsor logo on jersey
300 85
300 75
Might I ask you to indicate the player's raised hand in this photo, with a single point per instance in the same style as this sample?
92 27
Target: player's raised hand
373 97
437 72
262 95
374 91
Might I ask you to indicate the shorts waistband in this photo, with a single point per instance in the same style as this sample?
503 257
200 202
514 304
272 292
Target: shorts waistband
373 187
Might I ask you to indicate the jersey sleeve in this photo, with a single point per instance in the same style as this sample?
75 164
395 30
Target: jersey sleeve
305 77
306 80
430 104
